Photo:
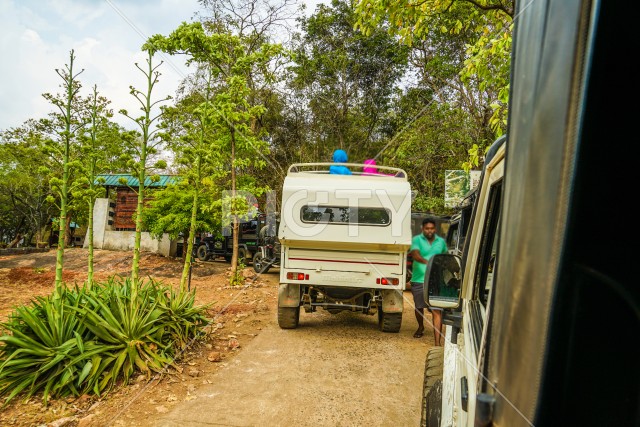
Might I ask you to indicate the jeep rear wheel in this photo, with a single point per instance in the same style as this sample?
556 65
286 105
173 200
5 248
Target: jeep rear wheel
288 317
259 266
432 388
242 255
201 253
389 322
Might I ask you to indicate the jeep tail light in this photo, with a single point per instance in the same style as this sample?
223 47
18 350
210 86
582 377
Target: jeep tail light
292 275
394 281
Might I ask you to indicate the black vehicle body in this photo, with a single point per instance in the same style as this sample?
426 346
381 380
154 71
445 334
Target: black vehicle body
213 247
551 342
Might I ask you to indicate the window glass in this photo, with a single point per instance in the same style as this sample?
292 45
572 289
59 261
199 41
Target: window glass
489 246
345 215
249 229
452 236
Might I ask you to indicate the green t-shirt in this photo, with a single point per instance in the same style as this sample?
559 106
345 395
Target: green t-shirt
427 250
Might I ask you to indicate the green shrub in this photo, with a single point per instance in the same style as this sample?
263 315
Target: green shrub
85 340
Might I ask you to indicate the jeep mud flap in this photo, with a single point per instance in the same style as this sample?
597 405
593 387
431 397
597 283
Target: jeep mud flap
288 295
392 301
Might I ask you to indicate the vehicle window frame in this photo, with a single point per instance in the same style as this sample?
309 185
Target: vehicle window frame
479 307
350 214
488 245
453 236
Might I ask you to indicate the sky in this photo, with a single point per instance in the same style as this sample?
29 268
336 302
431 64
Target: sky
37 36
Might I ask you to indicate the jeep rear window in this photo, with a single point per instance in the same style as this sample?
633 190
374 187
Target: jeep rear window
345 215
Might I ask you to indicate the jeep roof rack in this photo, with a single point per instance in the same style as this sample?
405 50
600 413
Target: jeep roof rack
358 169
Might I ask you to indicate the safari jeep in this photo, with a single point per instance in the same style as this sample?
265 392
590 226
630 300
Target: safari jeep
542 308
344 240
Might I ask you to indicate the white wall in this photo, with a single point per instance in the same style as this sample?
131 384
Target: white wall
100 223
104 237
124 240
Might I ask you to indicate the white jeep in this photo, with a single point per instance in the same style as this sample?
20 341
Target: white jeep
543 304
344 240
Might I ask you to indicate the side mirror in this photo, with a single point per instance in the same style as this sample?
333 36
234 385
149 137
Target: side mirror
443 281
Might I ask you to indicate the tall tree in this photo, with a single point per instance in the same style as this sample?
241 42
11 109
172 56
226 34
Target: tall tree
144 147
188 132
348 79
26 208
258 22
435 138
67 121
100 145
434 27
231 116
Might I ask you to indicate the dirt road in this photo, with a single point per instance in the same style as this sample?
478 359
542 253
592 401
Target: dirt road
332 370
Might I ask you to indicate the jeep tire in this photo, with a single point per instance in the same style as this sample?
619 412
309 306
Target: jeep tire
259 264
202 254
389 322
288 317
432 388
242 255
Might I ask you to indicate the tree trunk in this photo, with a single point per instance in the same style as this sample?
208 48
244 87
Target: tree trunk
68 234
189 248
90 243
135 266
15 241
234 257
185 242
66 173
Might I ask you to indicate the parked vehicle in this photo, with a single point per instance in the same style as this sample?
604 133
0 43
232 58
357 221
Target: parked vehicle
545 301
212 247
344 243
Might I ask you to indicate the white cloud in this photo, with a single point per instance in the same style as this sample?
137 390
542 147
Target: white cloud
30 36
106 37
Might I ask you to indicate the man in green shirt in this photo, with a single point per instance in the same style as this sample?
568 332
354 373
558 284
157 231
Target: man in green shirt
423 247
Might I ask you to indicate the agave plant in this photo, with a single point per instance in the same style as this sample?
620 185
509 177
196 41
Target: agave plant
45 348
85 339
131 327
182 320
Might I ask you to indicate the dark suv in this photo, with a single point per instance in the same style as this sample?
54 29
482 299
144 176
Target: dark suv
208 248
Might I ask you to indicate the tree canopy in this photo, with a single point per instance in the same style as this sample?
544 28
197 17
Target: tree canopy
418 85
